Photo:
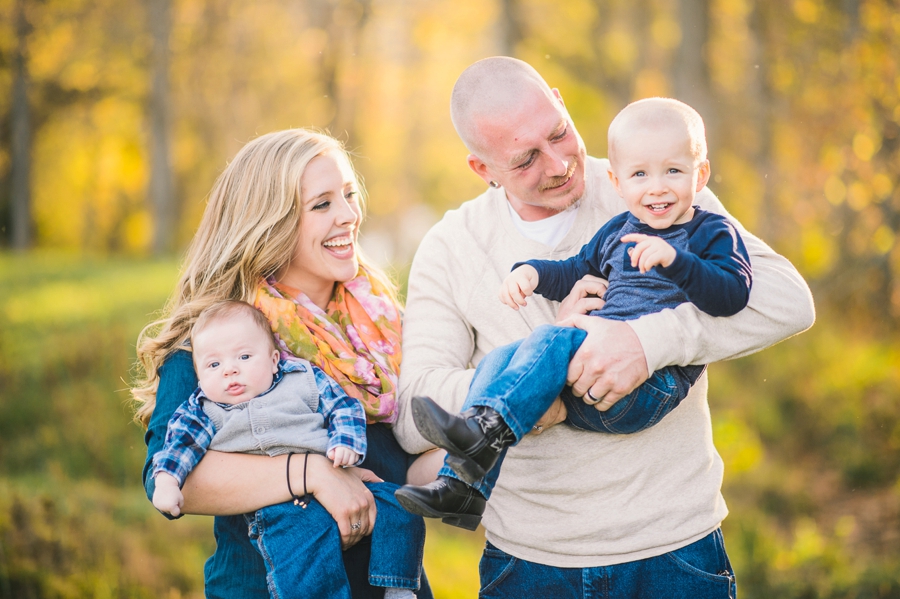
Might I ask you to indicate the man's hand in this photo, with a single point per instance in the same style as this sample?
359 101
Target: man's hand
343 456
518 285
585 297
610 363
650 251
555 414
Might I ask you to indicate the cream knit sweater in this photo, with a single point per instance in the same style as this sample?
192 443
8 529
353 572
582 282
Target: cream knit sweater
568 498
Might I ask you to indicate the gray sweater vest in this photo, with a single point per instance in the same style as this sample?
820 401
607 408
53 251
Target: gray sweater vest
285 419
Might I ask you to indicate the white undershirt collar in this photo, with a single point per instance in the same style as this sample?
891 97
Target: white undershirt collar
548 231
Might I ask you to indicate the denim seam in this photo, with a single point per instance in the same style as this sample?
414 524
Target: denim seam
270 577
395 582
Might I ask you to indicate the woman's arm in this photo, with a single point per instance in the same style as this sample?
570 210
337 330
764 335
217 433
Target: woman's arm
231 483
234 483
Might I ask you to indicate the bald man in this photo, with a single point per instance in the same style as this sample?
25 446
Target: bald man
575 513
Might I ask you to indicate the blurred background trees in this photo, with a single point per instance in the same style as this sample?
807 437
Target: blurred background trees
117 115
120 114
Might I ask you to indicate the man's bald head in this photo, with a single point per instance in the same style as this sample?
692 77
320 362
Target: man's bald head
488 88
655 114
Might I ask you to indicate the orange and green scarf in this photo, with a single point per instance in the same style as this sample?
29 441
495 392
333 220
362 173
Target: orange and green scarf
356 341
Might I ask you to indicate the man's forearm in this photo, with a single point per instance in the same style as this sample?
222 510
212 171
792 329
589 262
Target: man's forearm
780 306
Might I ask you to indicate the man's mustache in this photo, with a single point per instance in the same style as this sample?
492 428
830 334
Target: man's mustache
557 181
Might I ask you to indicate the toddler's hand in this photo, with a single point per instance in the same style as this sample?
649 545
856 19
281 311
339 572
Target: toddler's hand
650 251
167 497
518 285
343 456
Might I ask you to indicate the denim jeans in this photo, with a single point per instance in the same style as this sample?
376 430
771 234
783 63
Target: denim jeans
301 547
700 570
236 569
521 381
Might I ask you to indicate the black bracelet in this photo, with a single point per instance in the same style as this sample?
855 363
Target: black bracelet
306 498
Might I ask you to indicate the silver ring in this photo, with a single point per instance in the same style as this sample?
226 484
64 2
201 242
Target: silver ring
595 400
356 526
537 428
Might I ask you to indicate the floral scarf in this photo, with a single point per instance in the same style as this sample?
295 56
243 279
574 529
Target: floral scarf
356 341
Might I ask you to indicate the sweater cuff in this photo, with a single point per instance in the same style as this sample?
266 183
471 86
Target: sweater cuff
660 335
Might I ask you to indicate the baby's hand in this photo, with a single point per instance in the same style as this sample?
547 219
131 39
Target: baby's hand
343 456
650 251
518 285
167 497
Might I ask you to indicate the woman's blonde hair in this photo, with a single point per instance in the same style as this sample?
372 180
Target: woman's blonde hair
248 232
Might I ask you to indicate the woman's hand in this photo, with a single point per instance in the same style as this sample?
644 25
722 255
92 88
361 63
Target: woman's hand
586 296
341 492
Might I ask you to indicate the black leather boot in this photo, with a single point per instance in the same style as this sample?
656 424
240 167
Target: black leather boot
455 503
473 439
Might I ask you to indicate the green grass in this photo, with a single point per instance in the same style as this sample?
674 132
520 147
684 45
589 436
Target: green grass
809 431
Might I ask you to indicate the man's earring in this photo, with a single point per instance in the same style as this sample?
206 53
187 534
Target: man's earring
494 184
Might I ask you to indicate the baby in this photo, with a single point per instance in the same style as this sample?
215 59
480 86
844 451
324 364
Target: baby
250 402
663 252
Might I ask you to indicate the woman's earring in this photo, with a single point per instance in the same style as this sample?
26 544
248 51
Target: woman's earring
494 184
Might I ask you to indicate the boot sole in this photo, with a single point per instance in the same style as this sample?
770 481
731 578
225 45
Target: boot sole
413 506
465 467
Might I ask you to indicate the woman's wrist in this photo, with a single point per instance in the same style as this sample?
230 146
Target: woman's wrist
313 468
303 499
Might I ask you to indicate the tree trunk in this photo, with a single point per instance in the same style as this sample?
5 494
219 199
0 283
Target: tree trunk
160 189
20 169
510 27
691 72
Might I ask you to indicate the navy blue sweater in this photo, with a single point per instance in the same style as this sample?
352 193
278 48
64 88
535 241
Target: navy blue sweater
711 268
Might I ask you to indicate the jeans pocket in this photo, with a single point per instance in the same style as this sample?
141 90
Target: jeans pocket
706 559
495 566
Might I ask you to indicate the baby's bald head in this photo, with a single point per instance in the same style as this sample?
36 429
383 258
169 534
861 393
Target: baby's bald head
656 114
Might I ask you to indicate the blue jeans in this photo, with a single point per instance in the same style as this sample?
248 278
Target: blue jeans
301 547
700 570
236 569
521 381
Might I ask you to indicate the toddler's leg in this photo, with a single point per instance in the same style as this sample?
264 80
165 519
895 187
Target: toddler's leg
302 551
523 386
398 542
512 388
640 409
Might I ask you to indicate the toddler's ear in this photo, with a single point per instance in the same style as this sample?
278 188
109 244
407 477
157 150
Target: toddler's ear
703 175
275 356
614 180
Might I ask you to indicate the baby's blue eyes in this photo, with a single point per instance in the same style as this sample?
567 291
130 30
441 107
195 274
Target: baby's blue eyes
214 365
245 357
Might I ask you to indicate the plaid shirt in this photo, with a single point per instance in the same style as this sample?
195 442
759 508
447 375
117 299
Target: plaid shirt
190 430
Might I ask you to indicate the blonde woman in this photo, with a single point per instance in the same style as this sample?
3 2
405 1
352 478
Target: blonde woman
280 231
